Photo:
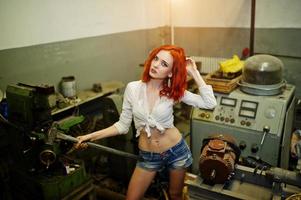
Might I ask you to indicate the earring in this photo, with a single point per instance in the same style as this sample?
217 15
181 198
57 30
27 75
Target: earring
168 82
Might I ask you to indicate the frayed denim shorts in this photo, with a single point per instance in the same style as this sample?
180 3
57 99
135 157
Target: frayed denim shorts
177 157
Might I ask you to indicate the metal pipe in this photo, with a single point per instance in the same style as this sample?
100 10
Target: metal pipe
284 176
252 31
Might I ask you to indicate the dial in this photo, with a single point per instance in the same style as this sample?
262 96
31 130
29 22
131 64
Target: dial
270 113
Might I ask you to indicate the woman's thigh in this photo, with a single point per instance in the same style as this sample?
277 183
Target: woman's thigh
176 181
140 181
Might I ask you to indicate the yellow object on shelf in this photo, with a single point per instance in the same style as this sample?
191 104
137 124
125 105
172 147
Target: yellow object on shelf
233 65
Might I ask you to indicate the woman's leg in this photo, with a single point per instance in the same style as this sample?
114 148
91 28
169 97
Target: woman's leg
176 183
140 181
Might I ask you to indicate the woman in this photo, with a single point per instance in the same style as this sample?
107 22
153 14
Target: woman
151 102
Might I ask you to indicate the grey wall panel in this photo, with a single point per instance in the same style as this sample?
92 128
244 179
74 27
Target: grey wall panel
117 56
215 42
279 41
90 60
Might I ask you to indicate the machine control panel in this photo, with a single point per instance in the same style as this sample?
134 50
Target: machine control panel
248 111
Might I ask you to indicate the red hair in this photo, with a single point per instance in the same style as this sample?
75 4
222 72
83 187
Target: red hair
179 73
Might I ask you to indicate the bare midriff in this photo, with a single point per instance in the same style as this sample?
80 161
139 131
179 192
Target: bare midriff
159 142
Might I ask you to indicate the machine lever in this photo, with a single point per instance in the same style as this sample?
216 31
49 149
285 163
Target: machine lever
101 147
266 129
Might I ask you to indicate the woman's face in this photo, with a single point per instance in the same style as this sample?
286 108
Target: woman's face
161 65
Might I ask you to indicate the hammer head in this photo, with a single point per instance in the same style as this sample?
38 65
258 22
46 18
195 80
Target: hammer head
55 133
52 133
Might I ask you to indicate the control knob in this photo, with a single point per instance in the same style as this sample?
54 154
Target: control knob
254 148
242 145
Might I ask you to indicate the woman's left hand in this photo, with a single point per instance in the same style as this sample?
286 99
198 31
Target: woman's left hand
191 67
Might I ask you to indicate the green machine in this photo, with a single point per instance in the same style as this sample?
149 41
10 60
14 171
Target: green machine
29 105
35 164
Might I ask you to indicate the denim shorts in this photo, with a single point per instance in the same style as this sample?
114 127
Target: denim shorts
177 157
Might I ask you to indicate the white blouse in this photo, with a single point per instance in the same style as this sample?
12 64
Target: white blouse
161 117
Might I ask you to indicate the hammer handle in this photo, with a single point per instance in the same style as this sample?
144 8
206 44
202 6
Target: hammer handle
97 146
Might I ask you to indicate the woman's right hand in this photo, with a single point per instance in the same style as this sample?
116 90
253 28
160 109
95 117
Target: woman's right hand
81 141
191 67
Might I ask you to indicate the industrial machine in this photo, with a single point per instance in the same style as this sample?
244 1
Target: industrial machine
258 116
262 125
38 160
33 163
248 183
30 105
221 177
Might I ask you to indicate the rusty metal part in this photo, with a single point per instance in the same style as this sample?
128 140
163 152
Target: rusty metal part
217 158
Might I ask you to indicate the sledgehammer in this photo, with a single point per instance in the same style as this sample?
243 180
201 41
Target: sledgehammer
63 136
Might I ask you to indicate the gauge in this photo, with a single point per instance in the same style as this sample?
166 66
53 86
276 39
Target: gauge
249 104
248 109
247 113
228 101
